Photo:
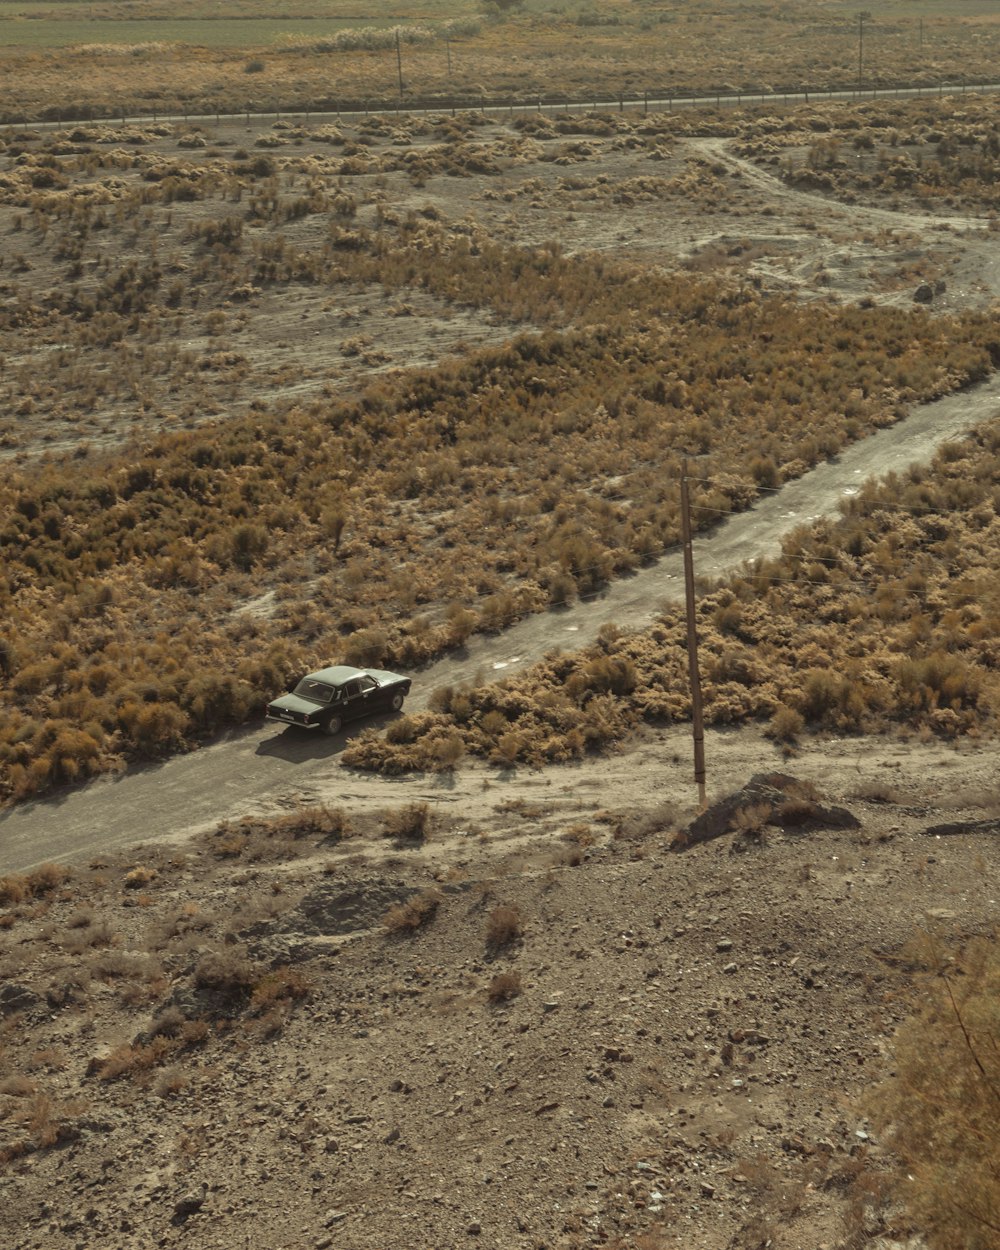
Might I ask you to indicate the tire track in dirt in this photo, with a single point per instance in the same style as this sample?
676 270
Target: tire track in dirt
769 185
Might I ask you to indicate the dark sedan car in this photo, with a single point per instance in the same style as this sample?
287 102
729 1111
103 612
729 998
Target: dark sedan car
326 699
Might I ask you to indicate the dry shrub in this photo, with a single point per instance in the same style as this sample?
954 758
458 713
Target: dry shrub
172 1081
411 823
281 986
504 987
786 725
877 792
93 933
18 1087
228 843
128 1060
448 751
168 1023
227 973
42 880
637 826
138 1058
504 927
751 821
413 914
51 1058
68 988
941 1108
139 876
305 821
13 889
794 811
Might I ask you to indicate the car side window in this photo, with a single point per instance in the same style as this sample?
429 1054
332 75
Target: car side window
366 684
350 689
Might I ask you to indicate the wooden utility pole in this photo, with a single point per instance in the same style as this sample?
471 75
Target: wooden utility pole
399 64
863 16
697 723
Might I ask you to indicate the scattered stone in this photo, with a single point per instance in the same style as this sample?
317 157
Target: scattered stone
16 998
189 1205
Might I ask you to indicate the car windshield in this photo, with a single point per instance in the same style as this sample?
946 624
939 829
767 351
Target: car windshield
317 691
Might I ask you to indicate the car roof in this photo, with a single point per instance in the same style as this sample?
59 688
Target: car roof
336 675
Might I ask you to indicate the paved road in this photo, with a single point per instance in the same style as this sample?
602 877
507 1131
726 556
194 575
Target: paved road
260 766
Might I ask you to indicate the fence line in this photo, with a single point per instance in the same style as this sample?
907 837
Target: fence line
351 109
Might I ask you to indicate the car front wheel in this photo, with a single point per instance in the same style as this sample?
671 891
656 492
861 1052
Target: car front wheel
397 701
332 726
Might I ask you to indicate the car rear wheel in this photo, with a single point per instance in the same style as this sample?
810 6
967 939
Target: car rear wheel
332 726
397 700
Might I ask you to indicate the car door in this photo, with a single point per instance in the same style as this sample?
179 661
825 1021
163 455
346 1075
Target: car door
350 700
371 692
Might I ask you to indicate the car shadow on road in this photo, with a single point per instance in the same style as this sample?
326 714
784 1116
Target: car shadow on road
300 746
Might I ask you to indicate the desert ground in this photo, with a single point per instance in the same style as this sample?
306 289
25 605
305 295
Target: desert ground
533 1008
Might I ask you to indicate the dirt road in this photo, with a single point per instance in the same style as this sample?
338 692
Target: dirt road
261 767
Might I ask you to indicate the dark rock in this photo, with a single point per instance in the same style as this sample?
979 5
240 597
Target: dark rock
963 826
782 800
16 998
189 1205
330 909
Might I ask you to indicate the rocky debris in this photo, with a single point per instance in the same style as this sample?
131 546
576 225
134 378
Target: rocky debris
963 826
774 799
189 1205
331 908
689 1035
16 998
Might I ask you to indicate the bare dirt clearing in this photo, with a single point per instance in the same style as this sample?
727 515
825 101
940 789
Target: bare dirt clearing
247 339
677 1054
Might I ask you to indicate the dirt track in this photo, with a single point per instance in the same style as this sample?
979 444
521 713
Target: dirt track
261 767
264 767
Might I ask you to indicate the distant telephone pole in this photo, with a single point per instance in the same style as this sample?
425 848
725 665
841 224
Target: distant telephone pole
863 16
399 64
697 723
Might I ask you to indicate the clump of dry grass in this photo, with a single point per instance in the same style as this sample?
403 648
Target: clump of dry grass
504 987
15 888
412 915
411 823
504 927
136 1060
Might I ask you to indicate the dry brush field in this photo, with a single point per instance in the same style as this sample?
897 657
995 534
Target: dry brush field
244 311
